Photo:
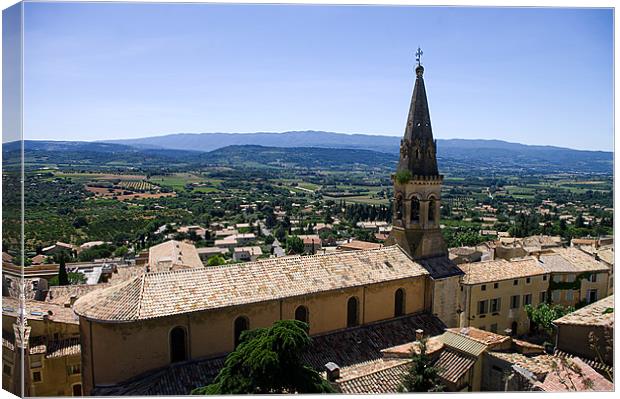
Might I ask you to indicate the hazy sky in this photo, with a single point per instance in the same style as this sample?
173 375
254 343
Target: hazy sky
103 70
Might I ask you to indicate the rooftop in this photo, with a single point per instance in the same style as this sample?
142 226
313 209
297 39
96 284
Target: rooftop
570 260
360 245
167 255
497 270
599 313
168 293
35 310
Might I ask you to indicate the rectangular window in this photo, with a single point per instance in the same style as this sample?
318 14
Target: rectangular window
557 278
543 296
527 299
495 285
544 277
514 302
528 280
555 296
515 282
36 376
483 307
569 295
496 304
483 287
593 278
73 369
570 278
35 362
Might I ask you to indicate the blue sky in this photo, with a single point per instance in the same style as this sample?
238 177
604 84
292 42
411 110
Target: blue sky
530 75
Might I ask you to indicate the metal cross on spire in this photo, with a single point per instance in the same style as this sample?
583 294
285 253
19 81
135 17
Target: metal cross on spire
418 55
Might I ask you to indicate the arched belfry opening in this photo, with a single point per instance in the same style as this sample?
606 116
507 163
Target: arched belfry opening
415 210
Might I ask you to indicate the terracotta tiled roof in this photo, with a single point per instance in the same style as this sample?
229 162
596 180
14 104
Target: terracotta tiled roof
570 260
168 293
598 366
346 347
35 310
485 337
566 379
595 314
497 270
453 365
373 377
165 256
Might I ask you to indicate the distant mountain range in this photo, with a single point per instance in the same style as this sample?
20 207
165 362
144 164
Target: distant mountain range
310 148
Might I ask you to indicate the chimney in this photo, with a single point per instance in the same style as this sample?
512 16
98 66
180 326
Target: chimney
419 334
72 299
333 371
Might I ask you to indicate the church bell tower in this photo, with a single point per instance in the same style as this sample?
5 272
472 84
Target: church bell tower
417 182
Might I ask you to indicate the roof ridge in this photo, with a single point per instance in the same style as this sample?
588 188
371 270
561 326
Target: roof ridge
140 296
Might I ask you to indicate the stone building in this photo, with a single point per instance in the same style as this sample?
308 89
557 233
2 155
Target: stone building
417 204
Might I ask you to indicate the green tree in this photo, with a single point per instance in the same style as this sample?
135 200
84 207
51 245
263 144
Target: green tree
216 260
63 277
543 315
121 251
268 361
295 244
422 375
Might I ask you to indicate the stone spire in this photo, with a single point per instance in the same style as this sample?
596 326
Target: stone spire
418 150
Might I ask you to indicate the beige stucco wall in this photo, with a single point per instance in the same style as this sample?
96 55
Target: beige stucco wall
472 294
445 298
118 351
563 296
55 380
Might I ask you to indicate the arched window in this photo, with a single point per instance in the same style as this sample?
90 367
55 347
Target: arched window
301 314
415 210
398 207
352 312
399 302
241 324
431 210
178 346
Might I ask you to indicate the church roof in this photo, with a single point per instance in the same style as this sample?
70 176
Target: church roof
175 292
418 149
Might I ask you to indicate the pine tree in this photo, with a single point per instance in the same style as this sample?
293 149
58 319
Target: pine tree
422 376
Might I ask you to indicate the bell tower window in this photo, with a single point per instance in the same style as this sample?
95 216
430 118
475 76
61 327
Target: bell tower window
431 210
415 210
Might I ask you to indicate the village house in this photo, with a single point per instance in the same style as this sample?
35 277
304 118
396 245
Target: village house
200 232
588 332
575 277
51 350
312 243
207 252
247 254
493 294
173 255
59 247
358 245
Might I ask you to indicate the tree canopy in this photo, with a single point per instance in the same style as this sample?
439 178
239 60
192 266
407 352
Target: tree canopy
268 361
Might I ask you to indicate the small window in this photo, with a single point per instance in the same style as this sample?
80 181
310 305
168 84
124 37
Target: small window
557 278
592 296
483 307
544 277
415 210
461 288
528 280
555 295
515 282
483 287
495 285
77 390
570 278
527 299
178 346
36 376
514 302
593 278
569 295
